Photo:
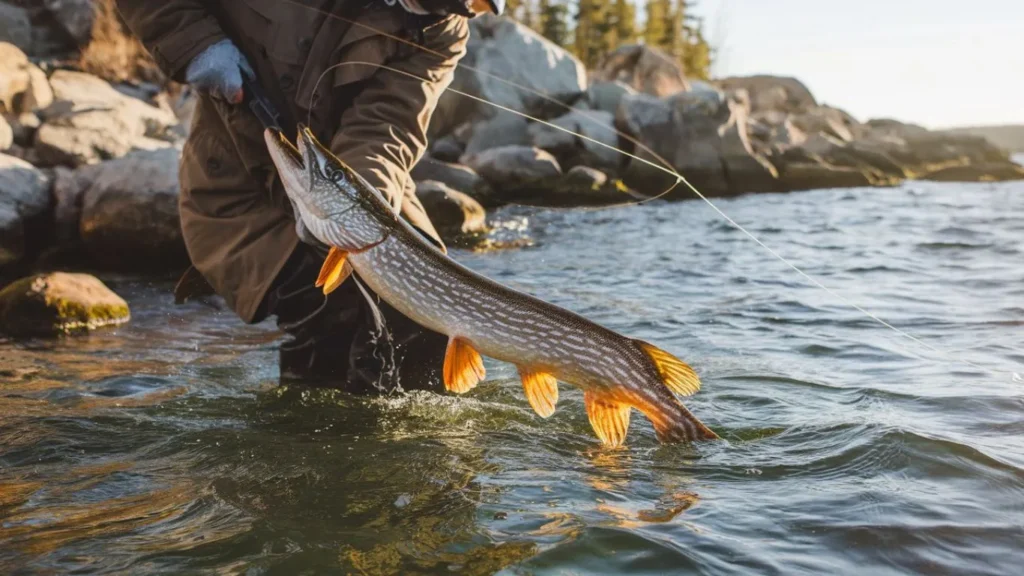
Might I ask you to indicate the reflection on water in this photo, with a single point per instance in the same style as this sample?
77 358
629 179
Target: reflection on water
168 446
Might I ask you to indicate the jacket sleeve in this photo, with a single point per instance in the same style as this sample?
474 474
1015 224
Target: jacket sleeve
174 31
384 132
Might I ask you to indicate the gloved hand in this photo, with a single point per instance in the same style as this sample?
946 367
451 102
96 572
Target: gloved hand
218 71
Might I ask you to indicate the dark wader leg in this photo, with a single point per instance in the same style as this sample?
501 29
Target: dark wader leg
335 340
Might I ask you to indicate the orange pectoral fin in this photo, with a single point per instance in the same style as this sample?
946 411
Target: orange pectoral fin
463 366
609 418
334 271
541 390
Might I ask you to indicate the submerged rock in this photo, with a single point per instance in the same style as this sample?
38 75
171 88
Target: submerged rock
59 303
452 212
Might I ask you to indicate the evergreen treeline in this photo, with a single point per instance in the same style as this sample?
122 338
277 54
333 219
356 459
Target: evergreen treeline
591 29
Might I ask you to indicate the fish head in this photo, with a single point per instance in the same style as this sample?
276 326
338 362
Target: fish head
327 195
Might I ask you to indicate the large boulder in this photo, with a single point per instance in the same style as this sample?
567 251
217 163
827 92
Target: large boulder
500 51
597 128
605 95
23 86
644 68
15 27
129 212
59 303
24 202
456 176
515 168
504 129
771 92
702 135
452 212
90 122
6 134
74 16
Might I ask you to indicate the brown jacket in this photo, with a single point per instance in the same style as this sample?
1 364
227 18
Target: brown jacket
237 222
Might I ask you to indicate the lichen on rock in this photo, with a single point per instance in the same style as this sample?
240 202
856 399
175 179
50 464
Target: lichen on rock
59 303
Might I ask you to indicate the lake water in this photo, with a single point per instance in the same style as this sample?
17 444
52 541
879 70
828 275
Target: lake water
167 445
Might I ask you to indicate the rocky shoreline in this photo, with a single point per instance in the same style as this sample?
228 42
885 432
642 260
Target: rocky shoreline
88 169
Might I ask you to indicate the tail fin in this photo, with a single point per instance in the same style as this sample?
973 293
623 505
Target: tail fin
676 424
672 421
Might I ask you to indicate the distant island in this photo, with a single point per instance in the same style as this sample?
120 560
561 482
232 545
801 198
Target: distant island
1010 137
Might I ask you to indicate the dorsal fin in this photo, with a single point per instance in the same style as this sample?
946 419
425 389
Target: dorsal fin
675 373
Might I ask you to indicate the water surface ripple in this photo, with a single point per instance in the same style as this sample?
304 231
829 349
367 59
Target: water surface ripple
166 446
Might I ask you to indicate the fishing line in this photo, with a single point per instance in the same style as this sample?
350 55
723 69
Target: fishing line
666 169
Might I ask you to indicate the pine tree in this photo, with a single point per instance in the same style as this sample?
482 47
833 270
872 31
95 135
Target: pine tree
553 22
624 18
594 35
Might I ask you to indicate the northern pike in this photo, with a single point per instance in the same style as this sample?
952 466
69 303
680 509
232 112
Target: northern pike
546 343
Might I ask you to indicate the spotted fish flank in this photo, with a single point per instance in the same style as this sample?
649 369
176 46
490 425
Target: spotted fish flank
480 316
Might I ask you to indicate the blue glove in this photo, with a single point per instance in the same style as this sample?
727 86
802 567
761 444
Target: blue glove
218 71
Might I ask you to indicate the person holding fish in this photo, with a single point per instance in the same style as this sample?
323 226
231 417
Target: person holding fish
238 223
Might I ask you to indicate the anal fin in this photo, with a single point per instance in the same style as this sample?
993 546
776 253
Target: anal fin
675 373
609 418
463 366
541 390
334 271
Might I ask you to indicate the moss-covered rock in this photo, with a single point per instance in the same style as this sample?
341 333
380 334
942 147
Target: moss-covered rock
59 303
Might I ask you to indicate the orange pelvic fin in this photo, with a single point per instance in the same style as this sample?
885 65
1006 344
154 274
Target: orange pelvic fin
675 373
541 390
463 366
334 271
610 418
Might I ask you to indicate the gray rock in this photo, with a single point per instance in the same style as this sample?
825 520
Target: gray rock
23 127
504 129
90 122
75 16
23 86
515 168
701 135
502 49
59 303
456 176
15 27
6 134
452 212
772 92
24 198
645 69
605 95
594 125
129 219
446 149
585 186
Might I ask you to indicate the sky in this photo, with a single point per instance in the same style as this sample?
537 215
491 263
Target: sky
938 63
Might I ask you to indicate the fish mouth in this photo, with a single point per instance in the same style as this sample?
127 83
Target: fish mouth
290 163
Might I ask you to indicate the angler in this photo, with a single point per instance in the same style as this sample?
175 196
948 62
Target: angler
478 315
237 221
